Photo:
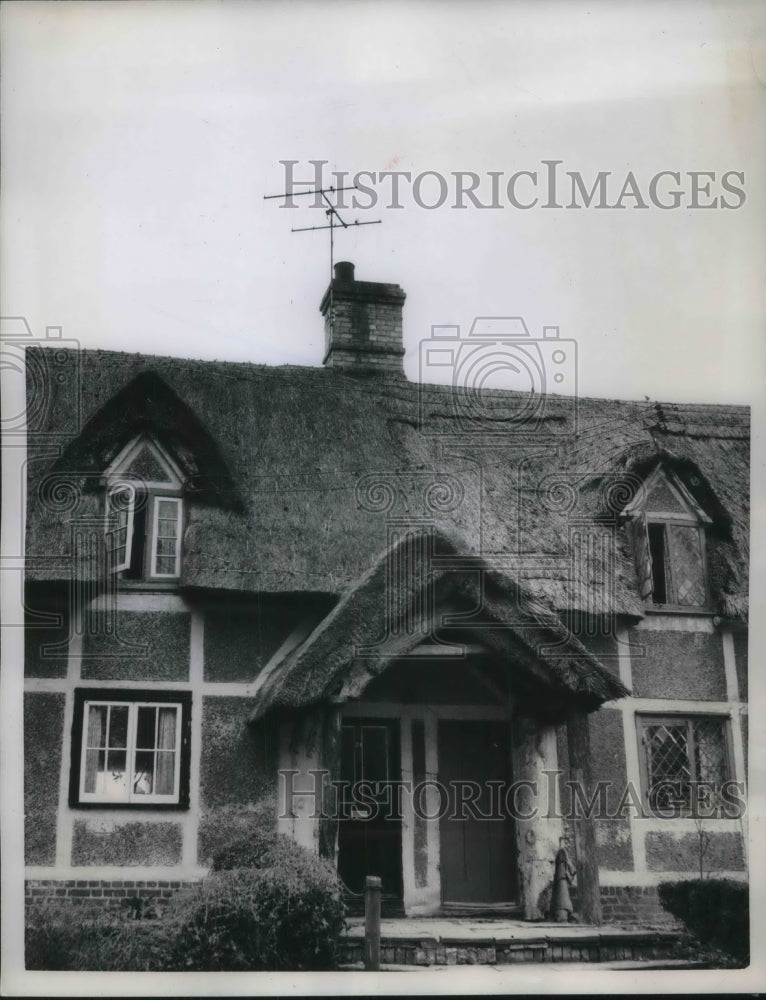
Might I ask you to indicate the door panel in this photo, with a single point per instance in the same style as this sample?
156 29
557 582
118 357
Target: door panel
478 855
369 831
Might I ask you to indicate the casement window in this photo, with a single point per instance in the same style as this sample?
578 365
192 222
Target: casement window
130 748
667 532
684 759
144 516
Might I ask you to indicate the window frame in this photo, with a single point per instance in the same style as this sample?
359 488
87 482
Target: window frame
638 520
667 520
134 697
152 539
145 494
111 530
645 719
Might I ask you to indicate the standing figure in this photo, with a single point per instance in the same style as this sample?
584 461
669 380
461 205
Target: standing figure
565 871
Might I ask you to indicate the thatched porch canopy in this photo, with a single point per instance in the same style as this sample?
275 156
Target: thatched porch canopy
373 626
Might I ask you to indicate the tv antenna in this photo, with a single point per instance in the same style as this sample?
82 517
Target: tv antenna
335 221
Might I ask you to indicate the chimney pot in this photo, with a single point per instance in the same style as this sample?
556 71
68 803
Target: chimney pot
344 271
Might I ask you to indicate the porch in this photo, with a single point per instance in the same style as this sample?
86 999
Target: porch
418 738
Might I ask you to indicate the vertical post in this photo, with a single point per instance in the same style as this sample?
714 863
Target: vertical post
332 722
372 886
588 887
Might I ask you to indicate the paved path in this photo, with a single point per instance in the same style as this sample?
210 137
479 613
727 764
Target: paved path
490 929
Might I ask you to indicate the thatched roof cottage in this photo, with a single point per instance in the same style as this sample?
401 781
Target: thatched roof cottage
250 588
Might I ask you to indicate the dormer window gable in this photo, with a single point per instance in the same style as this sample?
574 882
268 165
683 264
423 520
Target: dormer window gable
666 527
144 512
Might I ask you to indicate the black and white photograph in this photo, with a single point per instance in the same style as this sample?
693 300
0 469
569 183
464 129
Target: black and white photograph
378 382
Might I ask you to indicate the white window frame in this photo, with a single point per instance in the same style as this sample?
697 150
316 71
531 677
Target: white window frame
154 538
117 476
110 530
132 797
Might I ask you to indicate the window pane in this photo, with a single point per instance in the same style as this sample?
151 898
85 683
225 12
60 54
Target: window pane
686 562
668 764
166 728
96 735
118 726
166 771
95 764
167 509
167 536
710 752
143 781
145 731
130 751
659 574
115 779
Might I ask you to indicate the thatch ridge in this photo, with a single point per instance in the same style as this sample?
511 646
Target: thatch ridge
298 441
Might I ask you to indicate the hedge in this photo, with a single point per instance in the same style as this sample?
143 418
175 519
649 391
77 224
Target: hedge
268 905
715 911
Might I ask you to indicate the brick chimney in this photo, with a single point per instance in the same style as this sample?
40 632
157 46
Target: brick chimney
365 333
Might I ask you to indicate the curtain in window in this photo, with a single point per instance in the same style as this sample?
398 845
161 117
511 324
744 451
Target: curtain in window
639 540
166 758
96 739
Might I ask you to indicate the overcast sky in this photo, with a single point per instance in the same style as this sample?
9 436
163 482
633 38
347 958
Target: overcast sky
139 141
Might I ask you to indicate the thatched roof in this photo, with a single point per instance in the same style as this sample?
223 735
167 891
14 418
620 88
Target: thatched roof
373 626
284 463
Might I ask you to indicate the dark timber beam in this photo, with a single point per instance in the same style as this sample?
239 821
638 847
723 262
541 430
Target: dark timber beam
330 763
588 887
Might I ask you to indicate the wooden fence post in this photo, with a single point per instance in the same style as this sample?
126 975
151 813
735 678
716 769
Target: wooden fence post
372 887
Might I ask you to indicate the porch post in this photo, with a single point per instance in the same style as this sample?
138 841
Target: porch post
588 887
330 763
538 830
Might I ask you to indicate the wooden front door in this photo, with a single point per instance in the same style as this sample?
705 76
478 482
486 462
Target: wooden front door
478 855
369 829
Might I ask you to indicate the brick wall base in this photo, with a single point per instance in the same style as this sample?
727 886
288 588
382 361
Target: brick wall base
629 905
139 897
634 905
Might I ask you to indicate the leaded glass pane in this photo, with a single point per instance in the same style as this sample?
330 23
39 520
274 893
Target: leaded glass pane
668 764
686 562
710 752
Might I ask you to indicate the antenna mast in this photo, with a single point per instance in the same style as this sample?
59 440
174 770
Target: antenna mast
335 220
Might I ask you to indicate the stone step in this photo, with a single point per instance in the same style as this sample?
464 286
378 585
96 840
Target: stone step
564 967
422 942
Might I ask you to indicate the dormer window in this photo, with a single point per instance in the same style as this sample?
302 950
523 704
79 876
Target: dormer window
144 512
667 529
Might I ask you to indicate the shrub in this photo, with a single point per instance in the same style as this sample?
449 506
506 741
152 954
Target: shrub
715 911
64 939
269 904
283 912
258 848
